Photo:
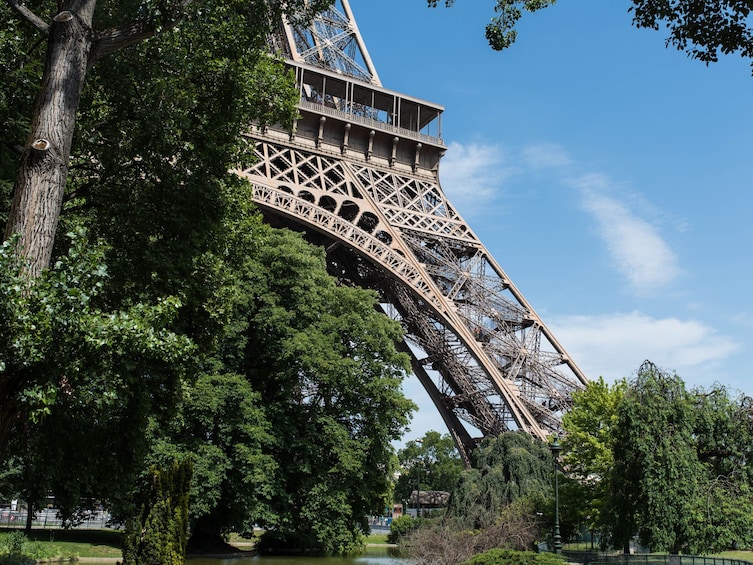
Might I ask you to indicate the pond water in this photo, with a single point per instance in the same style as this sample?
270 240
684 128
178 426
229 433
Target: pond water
375 555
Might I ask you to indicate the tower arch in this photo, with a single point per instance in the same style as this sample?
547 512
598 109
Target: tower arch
361 176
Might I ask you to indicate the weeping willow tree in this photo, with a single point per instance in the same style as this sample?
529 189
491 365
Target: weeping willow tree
513 467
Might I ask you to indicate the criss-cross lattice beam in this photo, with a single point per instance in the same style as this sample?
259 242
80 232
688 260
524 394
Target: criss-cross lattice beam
359 173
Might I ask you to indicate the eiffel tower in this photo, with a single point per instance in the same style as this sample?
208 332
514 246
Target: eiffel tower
359 173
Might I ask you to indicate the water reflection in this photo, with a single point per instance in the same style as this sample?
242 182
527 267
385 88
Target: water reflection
372 556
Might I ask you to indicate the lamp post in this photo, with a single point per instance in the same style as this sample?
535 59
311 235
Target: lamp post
418 493
418 481
555 448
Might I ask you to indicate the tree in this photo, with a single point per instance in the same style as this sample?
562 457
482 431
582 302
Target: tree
157 131
292 430
588 450
325 364
505 469
79 36
89 376
702 29
649 457
437 461
657 475
222 429
500 32
723 434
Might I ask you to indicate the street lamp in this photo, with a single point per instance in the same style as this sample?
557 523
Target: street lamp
555 448
418 482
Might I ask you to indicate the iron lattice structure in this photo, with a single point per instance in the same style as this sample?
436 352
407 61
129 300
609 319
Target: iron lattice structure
359 173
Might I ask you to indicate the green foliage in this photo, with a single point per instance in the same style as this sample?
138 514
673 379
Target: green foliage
652 459
158 533
702 30
509 467
435 458
325 363
720 26
17 549
158 130
588 451
292 428
500 32
657 473
81 375
402 526
499 556
14 543
221 427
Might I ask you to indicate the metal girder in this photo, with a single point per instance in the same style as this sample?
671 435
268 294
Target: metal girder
332 42
368 191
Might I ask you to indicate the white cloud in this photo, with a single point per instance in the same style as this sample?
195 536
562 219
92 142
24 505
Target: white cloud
636 247
475 175
546 156
614 346
472 175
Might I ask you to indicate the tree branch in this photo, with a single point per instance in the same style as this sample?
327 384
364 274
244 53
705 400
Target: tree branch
115 38
29 16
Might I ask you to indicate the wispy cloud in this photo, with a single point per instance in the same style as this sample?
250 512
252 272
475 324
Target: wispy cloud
614 346
546 156
473 175
637 249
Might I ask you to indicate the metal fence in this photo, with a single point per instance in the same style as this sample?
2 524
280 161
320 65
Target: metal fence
48 518
591 558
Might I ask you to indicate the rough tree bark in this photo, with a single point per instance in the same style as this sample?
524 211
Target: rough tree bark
73 47
38 193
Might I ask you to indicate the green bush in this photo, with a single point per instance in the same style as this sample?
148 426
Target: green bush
14 543
402 526
14 550
511 557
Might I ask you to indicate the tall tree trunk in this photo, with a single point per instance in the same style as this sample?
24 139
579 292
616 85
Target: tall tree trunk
29 517
38 193
42 172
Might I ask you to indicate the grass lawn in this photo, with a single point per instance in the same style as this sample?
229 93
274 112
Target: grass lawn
81 543
377 539
742 555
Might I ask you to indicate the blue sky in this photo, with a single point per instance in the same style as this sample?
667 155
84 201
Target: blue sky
608 175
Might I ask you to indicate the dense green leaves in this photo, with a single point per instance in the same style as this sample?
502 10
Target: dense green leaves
660 462
325 363
222 429
701 29
657 472
79 375
288 385
434 459
588 448
511 467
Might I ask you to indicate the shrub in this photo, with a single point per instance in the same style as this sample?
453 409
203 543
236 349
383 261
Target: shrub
512 557
13 550
402 526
